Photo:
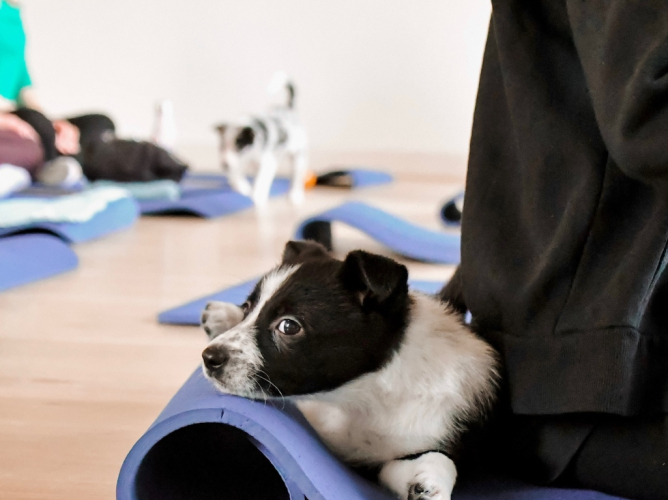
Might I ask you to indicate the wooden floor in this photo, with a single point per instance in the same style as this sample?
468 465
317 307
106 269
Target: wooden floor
85 367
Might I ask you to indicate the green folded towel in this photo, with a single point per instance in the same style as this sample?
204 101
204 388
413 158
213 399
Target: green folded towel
79 207
151 190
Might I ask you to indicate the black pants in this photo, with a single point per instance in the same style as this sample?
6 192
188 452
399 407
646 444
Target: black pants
628 457
622 456
102 155
91 127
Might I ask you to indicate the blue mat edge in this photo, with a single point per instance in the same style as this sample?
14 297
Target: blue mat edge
339 214
188 204
49 246
119 214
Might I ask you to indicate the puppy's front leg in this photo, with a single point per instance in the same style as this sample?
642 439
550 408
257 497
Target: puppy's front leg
299 171
235 173
428 477
218 317
264 179
330 421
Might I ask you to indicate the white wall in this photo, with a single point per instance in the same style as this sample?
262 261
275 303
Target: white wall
371 74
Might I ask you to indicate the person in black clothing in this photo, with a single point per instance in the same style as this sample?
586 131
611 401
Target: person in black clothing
86 129
564 238
102 156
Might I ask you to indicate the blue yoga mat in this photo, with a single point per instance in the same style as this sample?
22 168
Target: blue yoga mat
451 215
367 178
207 196
25 258
206 445
400 236
118 215
189 314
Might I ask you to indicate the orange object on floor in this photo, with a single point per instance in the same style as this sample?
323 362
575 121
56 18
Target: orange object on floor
311 180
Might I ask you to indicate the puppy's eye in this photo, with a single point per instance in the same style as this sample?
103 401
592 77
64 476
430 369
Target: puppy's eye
289 327
245 307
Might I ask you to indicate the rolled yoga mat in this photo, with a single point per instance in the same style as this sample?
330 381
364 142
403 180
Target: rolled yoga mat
209 446
207 196
353 178
117 215
25 258
189 314
398 235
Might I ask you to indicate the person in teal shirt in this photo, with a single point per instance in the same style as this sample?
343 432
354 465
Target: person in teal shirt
20 112
71 147
16 85
15 82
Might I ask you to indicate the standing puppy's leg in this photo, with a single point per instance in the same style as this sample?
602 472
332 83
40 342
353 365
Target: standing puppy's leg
428 477
235 173
264 179
299 170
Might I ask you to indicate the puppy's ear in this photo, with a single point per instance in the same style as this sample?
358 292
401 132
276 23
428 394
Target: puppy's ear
373 277
299 251
221 127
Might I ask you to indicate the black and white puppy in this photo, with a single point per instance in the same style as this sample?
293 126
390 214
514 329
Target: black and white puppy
264 140
387 376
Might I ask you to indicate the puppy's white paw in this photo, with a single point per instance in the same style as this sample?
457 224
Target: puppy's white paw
429 477
218 317
297 196
241 185
260 198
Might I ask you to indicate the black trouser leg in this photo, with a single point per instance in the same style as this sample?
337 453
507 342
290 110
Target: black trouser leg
627 457
44 129
93 127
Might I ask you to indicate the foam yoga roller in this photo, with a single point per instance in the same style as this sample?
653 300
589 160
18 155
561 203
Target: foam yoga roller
26 258
210 446
398 235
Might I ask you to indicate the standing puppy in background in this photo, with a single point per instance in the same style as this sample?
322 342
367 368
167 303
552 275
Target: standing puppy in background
265 140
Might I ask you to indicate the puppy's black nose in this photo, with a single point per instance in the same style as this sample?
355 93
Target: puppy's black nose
215 357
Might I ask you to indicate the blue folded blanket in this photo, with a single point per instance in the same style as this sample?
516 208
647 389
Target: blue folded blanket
74 208
117 215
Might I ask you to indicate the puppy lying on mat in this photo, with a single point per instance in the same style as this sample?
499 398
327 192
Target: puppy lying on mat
387 377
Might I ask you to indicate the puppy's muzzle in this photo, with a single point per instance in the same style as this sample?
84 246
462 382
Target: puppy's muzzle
215 357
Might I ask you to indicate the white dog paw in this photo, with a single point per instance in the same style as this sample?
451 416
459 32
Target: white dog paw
260 201
297 196
429 477
218 317
424 489
241 185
